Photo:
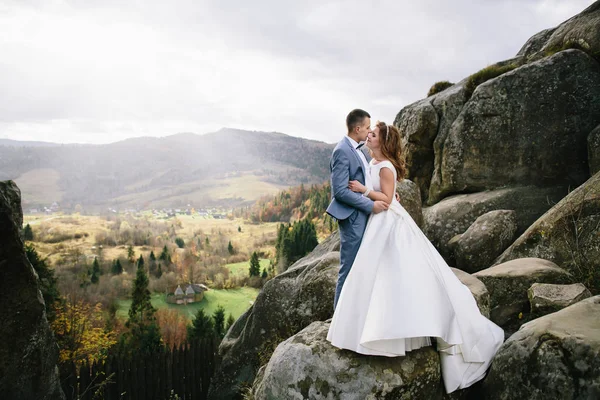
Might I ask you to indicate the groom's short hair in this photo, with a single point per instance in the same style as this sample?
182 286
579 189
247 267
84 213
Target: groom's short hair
355 118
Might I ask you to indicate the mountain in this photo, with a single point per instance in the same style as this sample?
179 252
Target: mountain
229 167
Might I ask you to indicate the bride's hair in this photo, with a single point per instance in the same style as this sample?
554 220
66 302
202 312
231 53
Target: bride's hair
391 147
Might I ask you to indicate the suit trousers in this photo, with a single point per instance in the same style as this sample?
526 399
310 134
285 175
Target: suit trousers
351 233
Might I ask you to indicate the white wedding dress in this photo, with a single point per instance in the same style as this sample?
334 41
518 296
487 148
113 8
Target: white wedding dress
400 292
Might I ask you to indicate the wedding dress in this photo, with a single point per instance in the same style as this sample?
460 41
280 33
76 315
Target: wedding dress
400 292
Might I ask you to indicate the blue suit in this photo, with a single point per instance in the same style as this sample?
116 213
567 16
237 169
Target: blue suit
349 208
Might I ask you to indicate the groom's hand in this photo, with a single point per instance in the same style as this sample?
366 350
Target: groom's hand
380 206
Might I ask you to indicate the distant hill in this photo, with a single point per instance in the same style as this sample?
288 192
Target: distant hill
230 167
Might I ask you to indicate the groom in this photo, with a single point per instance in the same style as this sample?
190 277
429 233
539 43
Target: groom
351 209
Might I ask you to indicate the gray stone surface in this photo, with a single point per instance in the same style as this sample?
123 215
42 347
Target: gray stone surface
410 198
553 357
307 366
454 215
594 150
496 140
546 298
477 288
507 284
485 240
28 351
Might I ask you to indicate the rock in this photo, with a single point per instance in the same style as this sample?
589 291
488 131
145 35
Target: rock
594 150
508 284
418 125
567 235
284 306
307 366
28 351
410 198
553 357
480 292
485 240
535 43
546 298
581 30
448 105
454 215
496 140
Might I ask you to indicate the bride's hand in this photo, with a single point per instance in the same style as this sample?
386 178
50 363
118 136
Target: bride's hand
356 186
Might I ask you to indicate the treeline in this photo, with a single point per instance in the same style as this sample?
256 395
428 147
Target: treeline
296 203
294 241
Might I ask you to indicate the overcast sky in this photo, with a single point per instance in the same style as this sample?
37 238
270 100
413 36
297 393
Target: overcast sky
99 71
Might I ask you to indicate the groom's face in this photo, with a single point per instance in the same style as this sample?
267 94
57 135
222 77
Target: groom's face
364 129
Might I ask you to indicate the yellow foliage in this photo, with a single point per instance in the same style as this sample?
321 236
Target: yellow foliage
79 330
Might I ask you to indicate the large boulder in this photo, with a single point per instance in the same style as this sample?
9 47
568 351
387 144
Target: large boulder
307 366
454 215
28 351
528 126
546 298
508 283
285 305
535 43
410 198
485 240
477 288
418 125
594 150
553 357
567 235
581 31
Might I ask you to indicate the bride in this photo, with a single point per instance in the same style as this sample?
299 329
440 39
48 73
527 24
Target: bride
400 291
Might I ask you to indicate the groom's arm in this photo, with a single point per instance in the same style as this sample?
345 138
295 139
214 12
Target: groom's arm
340 176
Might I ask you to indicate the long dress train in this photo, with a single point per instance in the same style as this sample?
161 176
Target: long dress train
400 292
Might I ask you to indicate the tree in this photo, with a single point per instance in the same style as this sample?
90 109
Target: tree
152 256
95 271
230 248
117 268
152 264
207 242
27 233
239 228
130 254
144 334
229 323
254 265
219 320
264 273
47 280
201 328
179 242
159 271
165 256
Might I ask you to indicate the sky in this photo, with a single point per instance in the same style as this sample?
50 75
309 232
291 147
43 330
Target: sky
100 71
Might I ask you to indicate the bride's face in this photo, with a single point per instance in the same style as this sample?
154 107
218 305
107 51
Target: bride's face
373 139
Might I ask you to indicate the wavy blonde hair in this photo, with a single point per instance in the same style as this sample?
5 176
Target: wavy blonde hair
391 147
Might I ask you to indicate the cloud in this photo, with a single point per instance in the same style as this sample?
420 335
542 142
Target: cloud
101 71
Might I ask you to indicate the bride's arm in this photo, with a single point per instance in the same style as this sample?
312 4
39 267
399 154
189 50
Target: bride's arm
386 179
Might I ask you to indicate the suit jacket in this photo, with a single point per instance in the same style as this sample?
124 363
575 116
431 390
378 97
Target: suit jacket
346 166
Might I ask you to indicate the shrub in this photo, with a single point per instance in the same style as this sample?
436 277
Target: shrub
485 75
573 44
439 87
179 242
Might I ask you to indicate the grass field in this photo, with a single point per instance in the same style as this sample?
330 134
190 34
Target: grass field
242 268
235 302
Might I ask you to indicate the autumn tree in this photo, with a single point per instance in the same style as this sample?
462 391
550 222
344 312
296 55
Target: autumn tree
173 327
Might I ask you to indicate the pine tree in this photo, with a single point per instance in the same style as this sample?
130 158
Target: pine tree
47 280
230 248
239 228
152 256
27 233
201 328
207 242
179 242
264 273
219 320
140 262
230 321
254 265
144 333
130 254
117 268
95 271
159 271
165 256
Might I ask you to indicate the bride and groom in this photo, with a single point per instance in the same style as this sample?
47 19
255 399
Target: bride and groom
394 290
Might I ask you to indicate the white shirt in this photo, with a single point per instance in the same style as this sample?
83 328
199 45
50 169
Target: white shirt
368 182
